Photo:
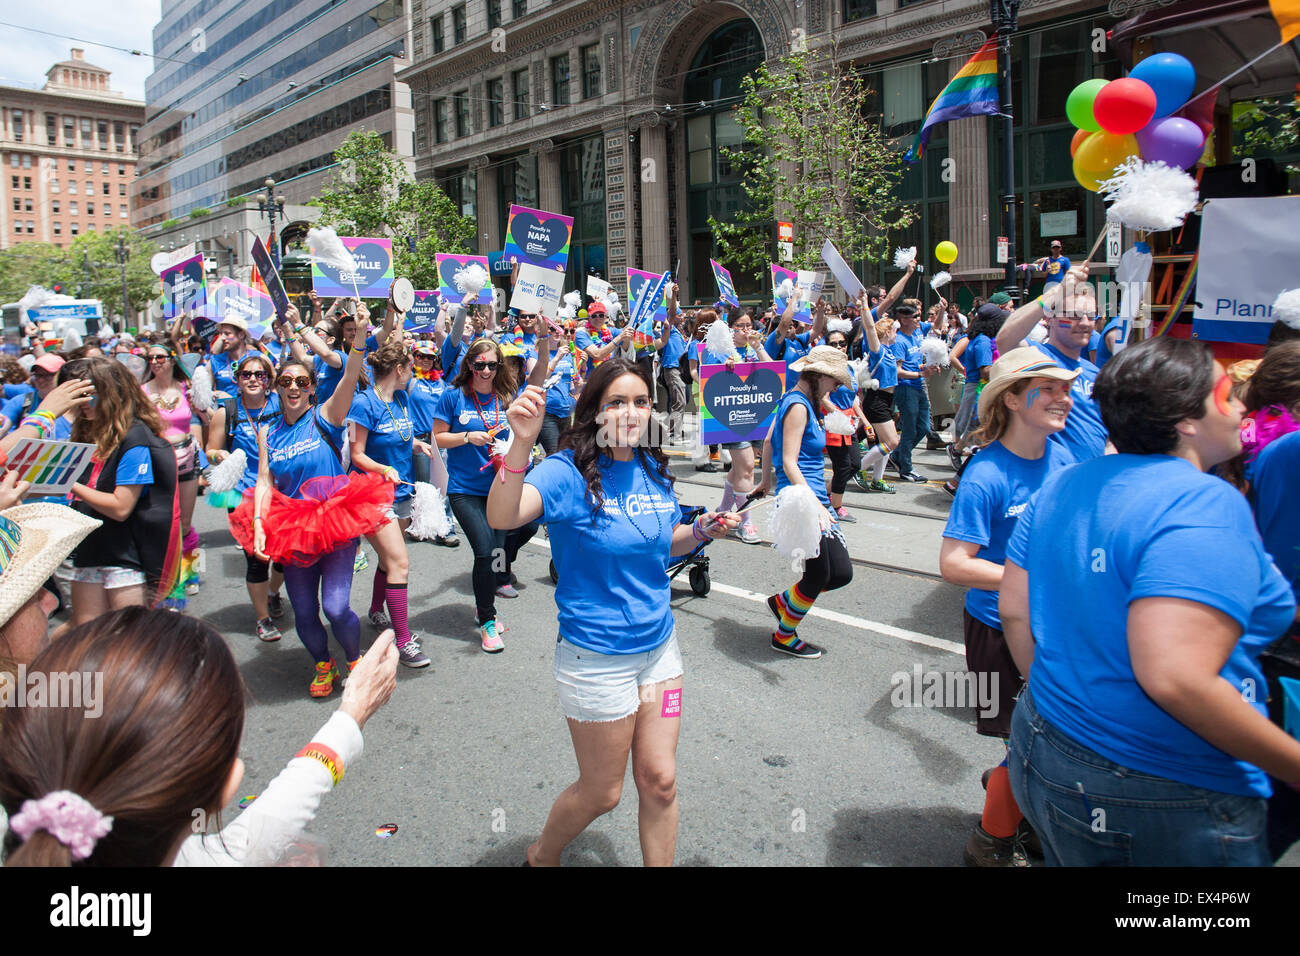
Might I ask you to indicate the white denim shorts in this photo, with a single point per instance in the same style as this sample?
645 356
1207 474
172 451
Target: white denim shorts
400 509
603 687
109 576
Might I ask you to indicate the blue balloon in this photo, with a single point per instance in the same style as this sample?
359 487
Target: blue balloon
1171 76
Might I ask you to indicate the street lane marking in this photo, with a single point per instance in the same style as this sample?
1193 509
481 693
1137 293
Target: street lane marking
862 624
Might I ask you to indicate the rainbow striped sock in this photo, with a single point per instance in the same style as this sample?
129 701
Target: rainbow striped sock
791 606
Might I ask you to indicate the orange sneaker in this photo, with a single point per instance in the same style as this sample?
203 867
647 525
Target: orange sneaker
322 685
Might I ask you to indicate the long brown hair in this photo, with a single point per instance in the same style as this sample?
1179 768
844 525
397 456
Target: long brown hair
157 755
119 401
994 425
503 383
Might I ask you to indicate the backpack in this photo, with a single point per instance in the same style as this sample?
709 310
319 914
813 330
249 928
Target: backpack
231 407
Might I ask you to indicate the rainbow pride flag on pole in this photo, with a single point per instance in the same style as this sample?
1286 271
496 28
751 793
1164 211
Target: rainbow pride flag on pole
972 92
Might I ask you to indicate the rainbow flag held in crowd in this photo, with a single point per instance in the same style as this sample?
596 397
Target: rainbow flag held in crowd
972 92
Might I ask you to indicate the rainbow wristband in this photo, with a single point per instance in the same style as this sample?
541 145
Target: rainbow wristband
326 756
44 429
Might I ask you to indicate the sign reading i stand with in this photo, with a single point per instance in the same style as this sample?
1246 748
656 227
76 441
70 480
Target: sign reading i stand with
1114 242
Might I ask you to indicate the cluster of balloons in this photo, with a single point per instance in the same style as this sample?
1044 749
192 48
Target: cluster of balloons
946 252
1134 117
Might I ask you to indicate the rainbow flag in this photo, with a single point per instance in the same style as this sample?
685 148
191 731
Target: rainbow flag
972 92
1180 299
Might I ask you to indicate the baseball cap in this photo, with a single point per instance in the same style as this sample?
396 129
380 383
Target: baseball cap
999 298
1055 243
596 308
49 363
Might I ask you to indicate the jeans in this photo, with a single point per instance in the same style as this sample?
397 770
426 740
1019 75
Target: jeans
913 406
676 400
965 411
1123 817
494 551
549 436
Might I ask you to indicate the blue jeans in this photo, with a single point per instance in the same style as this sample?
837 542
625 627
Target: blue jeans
913 406
494 551
1123 817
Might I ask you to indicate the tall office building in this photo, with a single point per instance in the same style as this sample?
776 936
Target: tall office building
69 152
243 90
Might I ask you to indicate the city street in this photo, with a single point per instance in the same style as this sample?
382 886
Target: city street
781 761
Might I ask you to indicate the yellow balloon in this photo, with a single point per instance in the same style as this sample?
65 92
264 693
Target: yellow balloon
1089 179
945 252
1101 152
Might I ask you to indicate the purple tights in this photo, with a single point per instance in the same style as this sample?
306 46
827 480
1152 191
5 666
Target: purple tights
332 577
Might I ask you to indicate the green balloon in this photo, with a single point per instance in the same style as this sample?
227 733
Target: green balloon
1078 106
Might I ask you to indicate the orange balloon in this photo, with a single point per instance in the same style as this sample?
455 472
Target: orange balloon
1079 136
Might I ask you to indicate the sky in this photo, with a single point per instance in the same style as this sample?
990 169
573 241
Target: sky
26 55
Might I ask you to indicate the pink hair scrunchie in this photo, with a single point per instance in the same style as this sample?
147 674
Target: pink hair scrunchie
70 819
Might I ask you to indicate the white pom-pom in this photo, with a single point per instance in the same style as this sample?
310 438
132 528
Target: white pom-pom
1038 333
326 246
201 389
612 302
795 529
573 300
940 279
1286 308
1151 197
837 423
71 339
225 476
35 297
838 325
934 352
861 370
785 289
428 513
903 257
718 340
470 279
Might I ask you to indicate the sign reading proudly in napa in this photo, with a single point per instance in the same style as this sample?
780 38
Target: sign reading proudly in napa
539 237
738 404
184 288
374 275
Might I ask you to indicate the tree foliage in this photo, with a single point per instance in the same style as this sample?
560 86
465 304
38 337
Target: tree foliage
87 268
1267 127
811 157
373 194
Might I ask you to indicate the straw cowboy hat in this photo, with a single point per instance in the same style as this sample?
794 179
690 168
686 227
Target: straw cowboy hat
828 361
1016 366
34 540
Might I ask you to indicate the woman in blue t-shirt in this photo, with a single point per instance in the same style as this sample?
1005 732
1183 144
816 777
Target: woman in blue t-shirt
878 402
470 422
383 441
306 513
1027 398
607 498
1142 737
795 449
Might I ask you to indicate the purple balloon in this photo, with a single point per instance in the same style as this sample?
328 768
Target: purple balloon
1173 140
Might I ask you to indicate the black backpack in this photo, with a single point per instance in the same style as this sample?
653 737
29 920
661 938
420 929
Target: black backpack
231 407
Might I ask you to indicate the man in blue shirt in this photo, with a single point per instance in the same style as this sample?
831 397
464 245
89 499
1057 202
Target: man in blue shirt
672 345
1055 266
1070 310
910 397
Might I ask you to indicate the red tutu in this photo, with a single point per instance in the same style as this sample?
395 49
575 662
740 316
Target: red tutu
333 512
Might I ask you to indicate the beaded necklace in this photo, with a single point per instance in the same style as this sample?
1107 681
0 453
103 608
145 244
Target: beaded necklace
622 504
405 434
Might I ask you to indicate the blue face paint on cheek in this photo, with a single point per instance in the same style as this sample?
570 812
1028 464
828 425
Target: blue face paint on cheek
1031 396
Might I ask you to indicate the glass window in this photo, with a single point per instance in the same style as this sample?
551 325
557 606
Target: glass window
858 10
18 124
901 98
27 161
103 134
27 182
51 129
105 188
72 165
90 168
1060 59
58 229
439 37
27 205
121 213
560 80
699 148
458 24
69 131
54 206
103 167
72 208
440 121
591 71
14 161
496 101
54 185
519 84
72 187
85 132
31 227
74 229
18 204
14 181
90 209
18 226
461 99
121 189
494 14
121 169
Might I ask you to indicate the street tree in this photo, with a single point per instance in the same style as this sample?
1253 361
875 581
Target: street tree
373 194
814 156
86 268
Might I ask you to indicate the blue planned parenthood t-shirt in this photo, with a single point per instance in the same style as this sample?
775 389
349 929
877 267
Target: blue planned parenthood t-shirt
243 434
812 448
979 353
673 350
1084 435
1272 477
423 394
883 366
613 592
789 350
390 432
559 393
1167 530
994 491
327 376
907 352
468 469
299 452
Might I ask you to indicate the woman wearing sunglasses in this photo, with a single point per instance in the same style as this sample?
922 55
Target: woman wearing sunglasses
843 450
166 380
469 419
328 355
234 424
609 503
1142 737
308 514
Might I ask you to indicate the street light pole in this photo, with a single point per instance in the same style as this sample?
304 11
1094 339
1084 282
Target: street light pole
123 253
1004 14
271 206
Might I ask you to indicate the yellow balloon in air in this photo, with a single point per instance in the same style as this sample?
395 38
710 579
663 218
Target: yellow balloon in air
946 252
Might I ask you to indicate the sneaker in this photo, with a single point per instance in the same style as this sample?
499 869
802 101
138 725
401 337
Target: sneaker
748 533
862 480
954 458
950 487
361 562
710 466
881 485
380 620
275 604
797 649
447 540
322 685
985 850
507 591
411 655
267 631
913 477
492 643
842 514
192 589
352 665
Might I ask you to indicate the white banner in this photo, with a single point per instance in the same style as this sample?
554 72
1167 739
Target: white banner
1248 252
831 256
537 289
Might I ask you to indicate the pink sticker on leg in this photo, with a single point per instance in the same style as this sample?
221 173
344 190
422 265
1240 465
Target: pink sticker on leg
672 703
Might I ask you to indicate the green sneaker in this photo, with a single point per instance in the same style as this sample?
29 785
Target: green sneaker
361 562
862 480
881 485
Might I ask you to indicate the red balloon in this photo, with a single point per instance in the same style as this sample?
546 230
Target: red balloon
1079 136
1124 106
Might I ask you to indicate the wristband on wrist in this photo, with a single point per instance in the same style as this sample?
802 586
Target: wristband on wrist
326 756
514 471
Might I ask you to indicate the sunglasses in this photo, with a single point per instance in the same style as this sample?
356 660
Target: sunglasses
159 358
254 374
320 331
287 381
483 366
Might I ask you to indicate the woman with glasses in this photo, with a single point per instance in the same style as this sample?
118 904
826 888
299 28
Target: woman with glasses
424 390
166 380
609 503
308 514
470 422
843 450
329 355
234 424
